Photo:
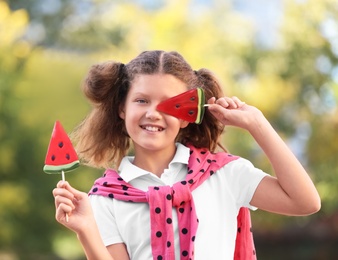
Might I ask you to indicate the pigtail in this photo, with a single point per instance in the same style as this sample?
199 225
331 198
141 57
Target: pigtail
100 139
100 80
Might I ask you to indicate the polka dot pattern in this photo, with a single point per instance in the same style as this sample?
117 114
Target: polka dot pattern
202 164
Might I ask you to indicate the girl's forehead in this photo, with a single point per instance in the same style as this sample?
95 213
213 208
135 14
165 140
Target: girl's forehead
158 83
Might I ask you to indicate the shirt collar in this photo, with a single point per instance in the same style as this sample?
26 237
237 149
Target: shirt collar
128 171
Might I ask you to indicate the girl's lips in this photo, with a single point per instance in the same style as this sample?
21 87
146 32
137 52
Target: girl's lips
152 128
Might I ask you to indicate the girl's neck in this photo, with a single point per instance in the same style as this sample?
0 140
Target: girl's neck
154 161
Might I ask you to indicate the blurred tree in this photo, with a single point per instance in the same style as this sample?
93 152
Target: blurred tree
312 62
46 19
69 25
24 200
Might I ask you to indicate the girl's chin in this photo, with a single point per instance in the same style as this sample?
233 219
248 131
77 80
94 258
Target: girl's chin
152 147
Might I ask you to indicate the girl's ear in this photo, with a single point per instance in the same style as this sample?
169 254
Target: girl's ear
122 114
184 123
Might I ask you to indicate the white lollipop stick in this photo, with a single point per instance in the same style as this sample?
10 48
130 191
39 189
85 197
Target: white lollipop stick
63 176
64 179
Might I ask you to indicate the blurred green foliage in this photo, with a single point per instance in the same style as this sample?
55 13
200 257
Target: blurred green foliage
46 48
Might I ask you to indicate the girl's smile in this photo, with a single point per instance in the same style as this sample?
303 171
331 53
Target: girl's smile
152 128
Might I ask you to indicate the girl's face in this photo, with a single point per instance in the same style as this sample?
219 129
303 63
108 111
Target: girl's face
150 129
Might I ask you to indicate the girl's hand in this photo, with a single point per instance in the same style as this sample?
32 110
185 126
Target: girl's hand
234 112
75 204
81 220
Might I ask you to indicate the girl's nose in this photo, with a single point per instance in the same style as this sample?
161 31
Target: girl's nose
153 114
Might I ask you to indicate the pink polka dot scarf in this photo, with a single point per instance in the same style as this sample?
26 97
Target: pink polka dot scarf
202 164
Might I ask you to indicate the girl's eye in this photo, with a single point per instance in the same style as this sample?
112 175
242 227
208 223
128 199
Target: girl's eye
141 101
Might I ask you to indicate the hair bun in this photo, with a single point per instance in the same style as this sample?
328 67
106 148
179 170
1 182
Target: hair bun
100 80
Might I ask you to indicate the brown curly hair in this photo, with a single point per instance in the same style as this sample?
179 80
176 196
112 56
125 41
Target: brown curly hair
101 138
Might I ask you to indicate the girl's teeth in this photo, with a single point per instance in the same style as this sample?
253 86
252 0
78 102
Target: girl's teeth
152 128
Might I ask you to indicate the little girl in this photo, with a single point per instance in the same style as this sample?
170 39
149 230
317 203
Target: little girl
180 196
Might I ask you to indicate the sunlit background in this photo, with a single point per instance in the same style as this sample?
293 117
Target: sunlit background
281 56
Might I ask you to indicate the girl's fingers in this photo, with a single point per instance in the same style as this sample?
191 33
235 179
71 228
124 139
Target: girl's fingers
224 102
63 192
62 184
228 110
238 102
75 193
63 200
64 189
212 100
67 195
230 102
62 211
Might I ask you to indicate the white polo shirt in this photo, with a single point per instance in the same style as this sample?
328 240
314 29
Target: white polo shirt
217 202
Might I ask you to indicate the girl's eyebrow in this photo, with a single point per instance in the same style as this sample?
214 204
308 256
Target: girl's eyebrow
147 95
139 94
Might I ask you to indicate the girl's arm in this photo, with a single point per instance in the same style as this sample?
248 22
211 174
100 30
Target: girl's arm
81 220
291 192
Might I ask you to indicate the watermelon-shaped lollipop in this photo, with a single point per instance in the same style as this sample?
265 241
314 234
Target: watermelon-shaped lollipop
61 155
188 106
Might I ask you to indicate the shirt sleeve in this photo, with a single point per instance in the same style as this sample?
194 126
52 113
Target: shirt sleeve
243 179
103 209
